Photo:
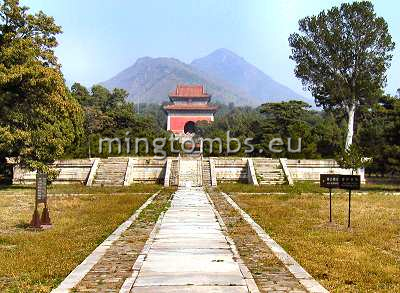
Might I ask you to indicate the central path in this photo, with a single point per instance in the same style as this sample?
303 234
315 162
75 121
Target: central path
189 252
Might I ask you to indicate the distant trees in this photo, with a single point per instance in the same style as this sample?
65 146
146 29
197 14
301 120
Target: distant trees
292 119
379 135
38 116
342 56
319 132
109 114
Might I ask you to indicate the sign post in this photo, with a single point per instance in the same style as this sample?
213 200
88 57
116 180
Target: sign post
35 222
349 219
41 197
349 182
330 205
329 181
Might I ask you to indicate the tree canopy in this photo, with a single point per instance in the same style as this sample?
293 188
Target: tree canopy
342 55
38 116
109 114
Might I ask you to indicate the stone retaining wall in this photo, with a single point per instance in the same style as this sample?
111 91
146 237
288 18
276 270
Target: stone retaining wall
71 171
309 170
150 170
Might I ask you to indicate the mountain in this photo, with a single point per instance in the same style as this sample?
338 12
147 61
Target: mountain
228 77
236 71
150 80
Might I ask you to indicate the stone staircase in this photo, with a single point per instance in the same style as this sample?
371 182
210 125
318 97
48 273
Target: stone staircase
190 172
174 175
206 172
269 171
111 171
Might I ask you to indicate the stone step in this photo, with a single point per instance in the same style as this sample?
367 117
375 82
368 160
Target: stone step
272 179
275 171
268 166
107 182
271 182
206 172
111 171
105 176
189 171
270 174
269 171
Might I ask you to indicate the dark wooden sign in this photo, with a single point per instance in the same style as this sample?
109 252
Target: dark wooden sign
349 182
43 222
41 187
329 180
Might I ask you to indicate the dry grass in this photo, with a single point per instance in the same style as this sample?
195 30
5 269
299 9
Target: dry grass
37 261
301 188
365 258
80 189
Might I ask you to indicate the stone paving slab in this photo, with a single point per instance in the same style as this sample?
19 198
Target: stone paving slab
188 279
190 244
193 251
191 289
198 264
183 238
189 252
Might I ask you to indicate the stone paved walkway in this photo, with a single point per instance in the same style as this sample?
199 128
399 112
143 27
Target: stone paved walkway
189 252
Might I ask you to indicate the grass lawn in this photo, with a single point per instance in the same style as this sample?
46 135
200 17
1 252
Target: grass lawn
365 258
303 187
81 189
300 188
38 261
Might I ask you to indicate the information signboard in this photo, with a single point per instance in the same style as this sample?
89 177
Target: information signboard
41 187
329 180
349 182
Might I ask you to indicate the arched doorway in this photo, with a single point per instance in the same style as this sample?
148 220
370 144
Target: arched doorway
190 127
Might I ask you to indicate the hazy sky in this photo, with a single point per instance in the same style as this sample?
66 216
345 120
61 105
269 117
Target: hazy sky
102 38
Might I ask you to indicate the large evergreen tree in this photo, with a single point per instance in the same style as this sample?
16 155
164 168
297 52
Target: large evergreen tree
38 116
342 56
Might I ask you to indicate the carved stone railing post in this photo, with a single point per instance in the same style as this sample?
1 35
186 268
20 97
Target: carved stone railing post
286 170
213 174
92 172
129 172
251 172
167 175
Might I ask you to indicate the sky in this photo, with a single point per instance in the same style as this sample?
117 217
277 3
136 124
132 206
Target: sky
101 38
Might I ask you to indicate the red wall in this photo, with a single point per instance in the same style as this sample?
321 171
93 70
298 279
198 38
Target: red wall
177 123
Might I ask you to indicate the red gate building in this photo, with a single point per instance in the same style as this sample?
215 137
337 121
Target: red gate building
189 104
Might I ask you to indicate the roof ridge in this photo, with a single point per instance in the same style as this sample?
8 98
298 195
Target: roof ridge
189 91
